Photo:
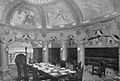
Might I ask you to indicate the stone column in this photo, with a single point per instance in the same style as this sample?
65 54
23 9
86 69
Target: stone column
4 58
63 55
81 54
63 52
45 53
78 54
119 62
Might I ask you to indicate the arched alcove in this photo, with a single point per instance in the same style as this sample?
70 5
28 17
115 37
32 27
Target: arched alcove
37 46
18 47
54 50
71 49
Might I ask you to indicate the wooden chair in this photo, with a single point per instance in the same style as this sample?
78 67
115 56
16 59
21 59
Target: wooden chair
79 72
63 64
25 71
99 68
102 68
21 64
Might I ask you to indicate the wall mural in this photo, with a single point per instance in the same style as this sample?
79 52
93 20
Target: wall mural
25 15
2 9
59 14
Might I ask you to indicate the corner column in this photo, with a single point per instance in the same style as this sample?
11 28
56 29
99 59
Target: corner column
45 53
4 57
119 63
63 55
81 54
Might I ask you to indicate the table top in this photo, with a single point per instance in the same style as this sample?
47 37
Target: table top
51 69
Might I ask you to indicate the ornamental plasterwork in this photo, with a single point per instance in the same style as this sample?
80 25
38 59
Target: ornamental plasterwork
103 39
54 42
36 43
40 1
59 14
71 41
25 15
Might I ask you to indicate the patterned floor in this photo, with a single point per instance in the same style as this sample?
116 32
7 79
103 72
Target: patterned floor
11 75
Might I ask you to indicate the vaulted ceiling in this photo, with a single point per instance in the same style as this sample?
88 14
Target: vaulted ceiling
56 14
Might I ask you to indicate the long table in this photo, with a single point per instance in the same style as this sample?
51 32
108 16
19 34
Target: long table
52 72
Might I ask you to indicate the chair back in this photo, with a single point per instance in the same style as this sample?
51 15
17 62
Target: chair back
63 64
79 71
20 62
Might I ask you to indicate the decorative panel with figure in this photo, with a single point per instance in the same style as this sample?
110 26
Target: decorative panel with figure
25 15
59 14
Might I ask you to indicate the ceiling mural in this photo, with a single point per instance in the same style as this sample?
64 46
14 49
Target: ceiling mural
2 7
58 14
42 19
95 8
25 15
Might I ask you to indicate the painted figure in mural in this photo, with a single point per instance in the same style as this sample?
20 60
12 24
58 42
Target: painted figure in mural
29 18
60 13
23 16
18 17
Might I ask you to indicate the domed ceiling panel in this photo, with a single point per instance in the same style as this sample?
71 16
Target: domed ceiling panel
26 15
2 7
58 14
40 1
95 8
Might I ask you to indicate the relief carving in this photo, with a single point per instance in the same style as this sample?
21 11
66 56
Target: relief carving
54 42
71 41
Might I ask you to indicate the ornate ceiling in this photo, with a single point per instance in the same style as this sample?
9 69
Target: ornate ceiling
56 14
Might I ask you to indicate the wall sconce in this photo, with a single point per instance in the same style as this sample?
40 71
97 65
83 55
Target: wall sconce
7 49
61 49
45 48
78 49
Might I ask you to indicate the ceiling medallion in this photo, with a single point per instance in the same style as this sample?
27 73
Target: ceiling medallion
40 1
